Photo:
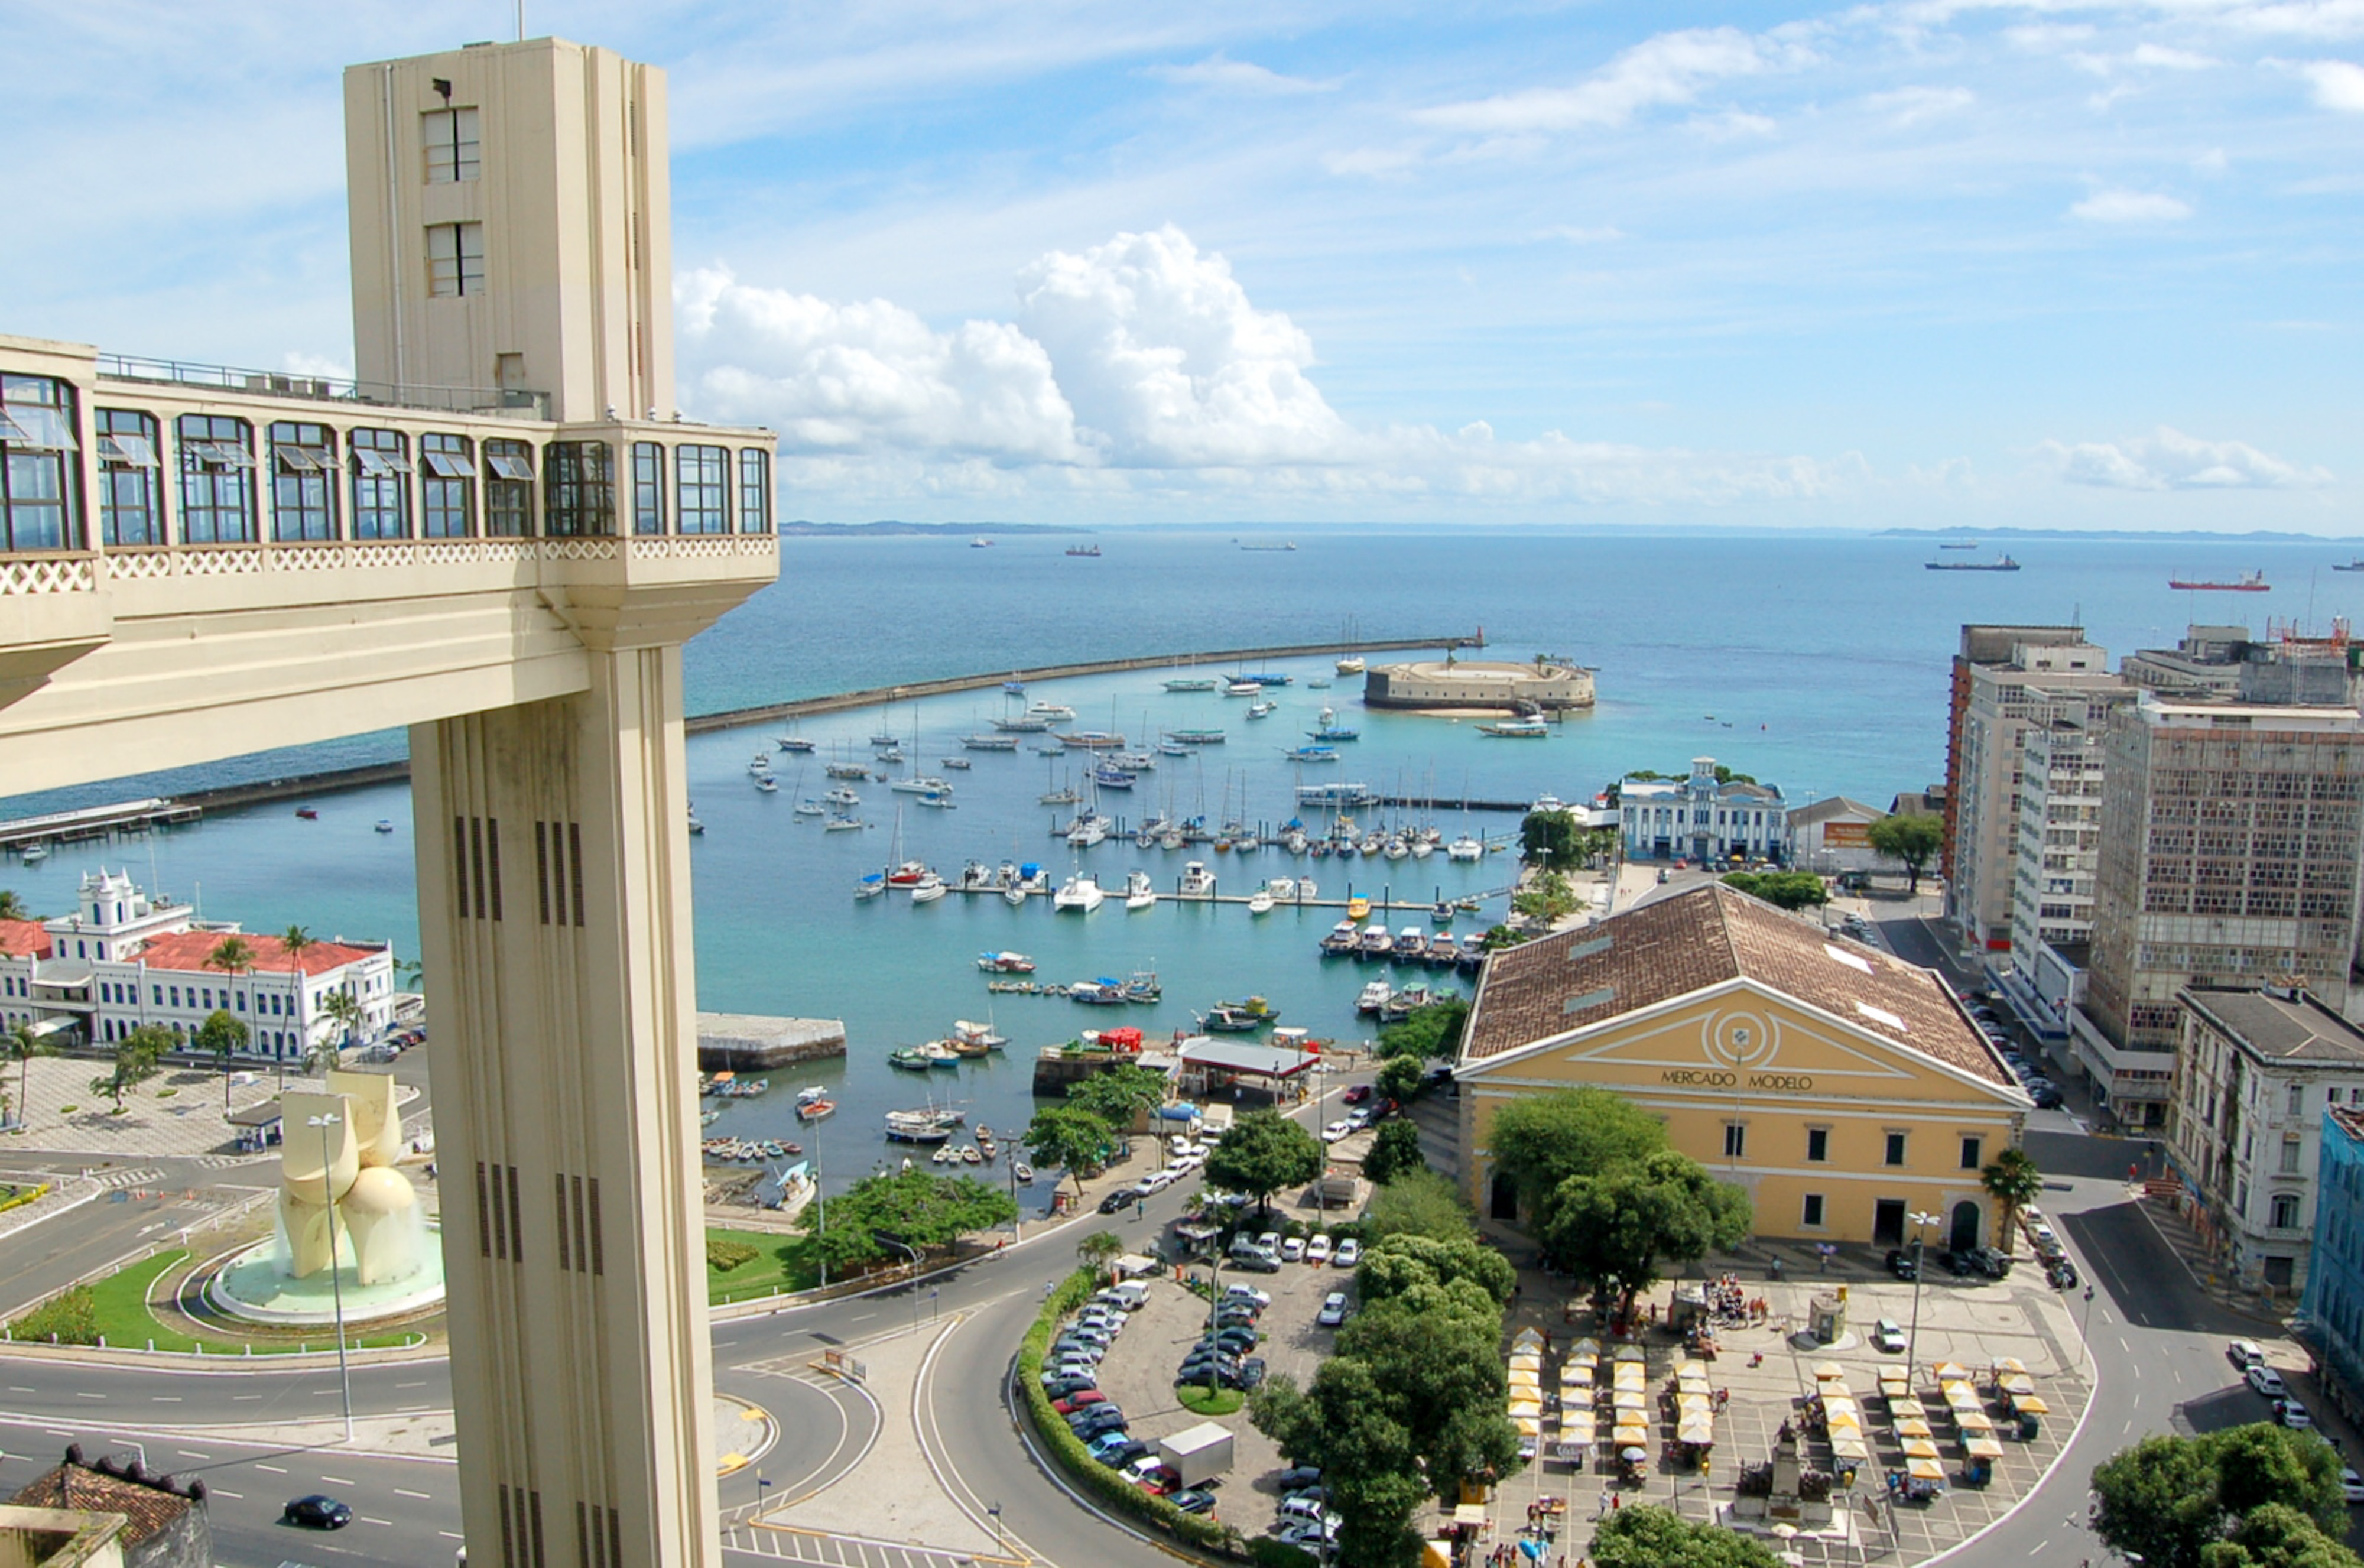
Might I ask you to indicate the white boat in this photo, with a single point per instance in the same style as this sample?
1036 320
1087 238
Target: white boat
1517 728
1193 684
1049 712
1016 894
1465 848
767 783
1264 709
1059 797
762 765
1282 889
1078 892
845 825
808 807
1395 848
1198 881
920 783
1343 938
1088 828
795 742
1140 893
1421 849
871 886
1308 890
842 796
1375 940
1244 689
1260 902
939 798
1353 664
928 889
1375 997
1410 942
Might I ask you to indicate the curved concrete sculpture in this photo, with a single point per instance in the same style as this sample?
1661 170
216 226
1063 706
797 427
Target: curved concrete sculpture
345 1165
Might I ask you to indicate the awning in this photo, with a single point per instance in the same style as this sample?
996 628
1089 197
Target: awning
1246 1056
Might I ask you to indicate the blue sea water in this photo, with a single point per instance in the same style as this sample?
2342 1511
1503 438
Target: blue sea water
1816 664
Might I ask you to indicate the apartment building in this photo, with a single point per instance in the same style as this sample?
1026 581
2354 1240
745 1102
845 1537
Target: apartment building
2056 852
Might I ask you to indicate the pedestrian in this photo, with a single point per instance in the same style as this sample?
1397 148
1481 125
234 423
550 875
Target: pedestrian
1616 1501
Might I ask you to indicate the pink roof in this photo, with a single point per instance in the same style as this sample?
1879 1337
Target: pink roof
188 951
24 938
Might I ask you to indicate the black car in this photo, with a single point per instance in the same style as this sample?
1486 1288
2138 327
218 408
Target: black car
1297 1478
1235 1339
1123 1197
1250 1373
1121 1454
1194 1500
1093 1419
1958 1265
1199 1365
2045 1095
1059 1387
316 1512
1903 1265
2062 1274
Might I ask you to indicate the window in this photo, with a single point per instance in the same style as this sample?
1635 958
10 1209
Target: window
452 146
755 491
648 488
456 260
37 479
1895 1155
216 486
580 479
1736 1140
1818 1144
303 496
2285 1211
509 489
2290 1154
130 508
1972 1149
2297 1098
1809 1214
382 470
448 486
704 474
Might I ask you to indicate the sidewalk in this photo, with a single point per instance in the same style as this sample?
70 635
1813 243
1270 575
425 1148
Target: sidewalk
2206 1272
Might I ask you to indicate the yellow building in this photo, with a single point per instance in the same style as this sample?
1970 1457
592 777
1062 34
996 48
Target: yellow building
1845 1090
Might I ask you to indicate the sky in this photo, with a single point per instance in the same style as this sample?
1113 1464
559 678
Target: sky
1917 263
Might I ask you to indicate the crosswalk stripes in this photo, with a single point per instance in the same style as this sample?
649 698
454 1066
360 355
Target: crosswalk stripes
821 1550
226 1161
141 1177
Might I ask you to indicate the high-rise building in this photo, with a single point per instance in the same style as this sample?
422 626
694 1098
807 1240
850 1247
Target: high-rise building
2229 858
499 535
1993 677
2056 850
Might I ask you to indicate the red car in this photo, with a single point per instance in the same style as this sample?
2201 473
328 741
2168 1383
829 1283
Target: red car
1357 1093
1082 1400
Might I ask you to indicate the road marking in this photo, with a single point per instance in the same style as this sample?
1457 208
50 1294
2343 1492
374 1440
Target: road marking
237 1397
190 1453
451 1535
2038 1548
863 1318
339 1481
367 1520
410 1386
2127 1428
2123 1346
165 1398
80 1394
420 1495
275 1469
55 1433
217 1492
15 1389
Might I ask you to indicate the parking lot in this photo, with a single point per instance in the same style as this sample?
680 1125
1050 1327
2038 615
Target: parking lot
1138 1371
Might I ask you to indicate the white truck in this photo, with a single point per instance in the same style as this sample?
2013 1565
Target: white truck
1197 1453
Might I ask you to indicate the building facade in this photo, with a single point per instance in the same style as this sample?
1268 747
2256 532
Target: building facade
1843 1089
2330 1323
123 962
2254 1075
1832 836
1979 645
1479 683
1703 817
2056 850
2002 694
2229 858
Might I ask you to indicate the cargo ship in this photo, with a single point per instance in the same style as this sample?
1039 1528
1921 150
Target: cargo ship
2000 563
2247 583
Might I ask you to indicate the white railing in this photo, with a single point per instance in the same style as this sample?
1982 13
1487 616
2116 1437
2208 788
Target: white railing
84 573
48 574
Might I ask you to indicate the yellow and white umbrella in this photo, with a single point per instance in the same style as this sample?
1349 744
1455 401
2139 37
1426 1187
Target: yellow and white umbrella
1836 1387
1843 1422
1974 1421
1529 1425
2008 1364
1827 1371
1629 1353
1845 1445
1518 1407
2015 1382
1912 1427
1699 1432
1920 1447
2029 1405
1520 1377
1924 1470
1982 1447
1907 1408
1586 1346
1958 1394
1951 1372
1576 1377
1693 1402
1632 1399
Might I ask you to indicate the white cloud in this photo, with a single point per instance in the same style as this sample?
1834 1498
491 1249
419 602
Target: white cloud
2170 460
1911 105
2162 57
2131 207
1669 69
1218 74
2339 85
1733 124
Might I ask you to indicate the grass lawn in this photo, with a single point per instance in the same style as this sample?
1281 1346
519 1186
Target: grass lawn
120 1313
780 1263
1209 1401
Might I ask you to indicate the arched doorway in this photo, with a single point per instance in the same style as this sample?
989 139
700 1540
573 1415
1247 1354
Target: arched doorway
1504 1204
1963 1234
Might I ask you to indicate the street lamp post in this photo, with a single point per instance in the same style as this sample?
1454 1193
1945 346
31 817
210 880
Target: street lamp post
336 1277
1921 1223
914 1252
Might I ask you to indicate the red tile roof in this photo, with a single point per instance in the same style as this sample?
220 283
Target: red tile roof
149 1506
24 938
1706 937
188 951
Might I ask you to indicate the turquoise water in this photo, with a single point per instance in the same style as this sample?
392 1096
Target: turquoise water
1822 661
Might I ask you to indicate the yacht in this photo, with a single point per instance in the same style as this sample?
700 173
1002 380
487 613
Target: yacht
1078 892
808 807
1244 689
795 742
842 795
767 783
1375 997
846 823
762 765
1140 893
1108 775
1264 708
920 785
1198 881
1261 901
1465 848
1353 664
1087 830
1517 728
1282 889
1193 684
1049 712
928 889
1374 942
990 742
1026 724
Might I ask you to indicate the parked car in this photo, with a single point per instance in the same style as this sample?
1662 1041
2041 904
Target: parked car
1090 1423
1887 1337
1121 1450
1060 1386
1357 1093
1129 1297
2294 1415
2245 1354
1990 1263
2351 1485
1333 1310
1349 1254
1260 1297
1080 1400
316 1512
1292 1249
1233 1341
1297 1477
1194 1500
1152 1474
2045 1095
1958 1265
2267 1381
1317 1252
1902 1264
1305 1506
1308 1535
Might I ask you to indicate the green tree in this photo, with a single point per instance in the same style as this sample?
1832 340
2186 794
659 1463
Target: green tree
2013 1182
222 1037
1100 1249
1546 898
321 1056
1345 1424
342 1008
1542 1140
1118 1095
1611 1230
1551 839
1427 1032
1395 1151
915 1208
1401 1265
1783 889
1647 1536
2278 1536
1400 1078
1912 840
1418 1203
22 1045
296 941
1071 1138
2262 1463
1264 1152
12 907
2173 1500
134 1062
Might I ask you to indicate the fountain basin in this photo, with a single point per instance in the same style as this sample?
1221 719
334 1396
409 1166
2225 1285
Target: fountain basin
252 1285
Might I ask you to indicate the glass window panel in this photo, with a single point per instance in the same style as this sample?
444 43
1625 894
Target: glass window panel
755 491
453 144
508 494
37 492
702 487
648 487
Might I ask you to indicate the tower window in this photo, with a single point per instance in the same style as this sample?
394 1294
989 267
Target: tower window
37 472
381 473
755 491
130 503
509 489
456 260
449 485
648 487
704 475
580 487
452 142
217 494
303 481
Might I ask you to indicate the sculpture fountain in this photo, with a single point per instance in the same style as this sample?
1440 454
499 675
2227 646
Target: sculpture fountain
349 1225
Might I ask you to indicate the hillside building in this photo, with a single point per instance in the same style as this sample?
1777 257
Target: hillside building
1703 817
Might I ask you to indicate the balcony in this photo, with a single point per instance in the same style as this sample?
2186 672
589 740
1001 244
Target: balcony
513 402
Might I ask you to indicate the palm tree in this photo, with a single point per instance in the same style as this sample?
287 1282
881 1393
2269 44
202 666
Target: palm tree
2013 1182
12 907
233 956
320 1056
22 1045
296 939
342 1009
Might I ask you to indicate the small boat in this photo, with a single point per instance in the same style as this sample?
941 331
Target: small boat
1244 689
942 1156
808 807
1108 775
2247 583
1093 739
1283 889
1142 986
1441 913
1260 902
1353 664
1226 1018
307 813
1374 997
846 769
384 825
1264 709
1059 797
1516 730
817 1110
1329 728
1255 1007
2355 565
1140 893
761 764
920 783
1089 828
1376 941
1960 544
1342 939
1206 683
1016 896
1005 964
1049 712
1313 753
969 1156
841 797
909 872
871 886
921 1127
1025 724
1196 737
887 754
1358 908
1465 848
844 824
794 742
1079 893
2000 563
990 742
1265 679
928 889
975 1040
1013 687
1198 881
1319 683
768 785
1172 748
961 764
1024 1172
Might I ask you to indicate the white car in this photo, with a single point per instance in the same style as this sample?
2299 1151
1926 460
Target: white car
1157 1181
1188 1161
1350 1253
1333 1310
2267 1381
1263 1299
1337 1130
2245 1354
2351 1485
1293 1249
1317 1250
2294 1415
1269 1240
1888 1337
1178 1144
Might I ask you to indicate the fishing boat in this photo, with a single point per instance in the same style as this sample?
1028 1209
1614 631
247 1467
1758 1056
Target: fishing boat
928 1126
1192 683
1005 964
1358 909
920 783
1327 727
1049 712
1265 678
1108 991
1313 753
1959 544
1142 986
1517 728
2246 583
794 742
1140 893
1242 689
1221 1020
384 825
1198 881
1093 739
1374 997
1342 939
2355 565
308 814
974 1039
1024 1172
939 1054
1108 775
1196 737
989 742
1079 894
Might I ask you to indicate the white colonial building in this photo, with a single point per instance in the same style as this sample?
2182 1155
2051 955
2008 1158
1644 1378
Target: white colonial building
1703 817
121 961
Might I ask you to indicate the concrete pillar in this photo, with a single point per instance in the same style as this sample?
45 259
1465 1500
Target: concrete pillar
554 903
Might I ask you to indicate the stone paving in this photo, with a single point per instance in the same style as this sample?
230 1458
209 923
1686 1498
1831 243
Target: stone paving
177 1114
